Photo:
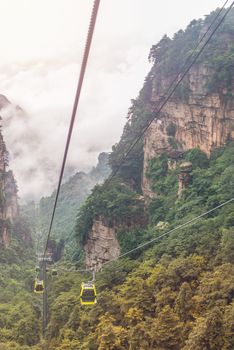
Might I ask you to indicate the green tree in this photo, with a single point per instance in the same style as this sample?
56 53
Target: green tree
166 330
183 303
208 333
228 327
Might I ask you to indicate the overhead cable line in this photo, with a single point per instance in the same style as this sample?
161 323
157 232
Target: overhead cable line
159 109
169 232
75 105
153 240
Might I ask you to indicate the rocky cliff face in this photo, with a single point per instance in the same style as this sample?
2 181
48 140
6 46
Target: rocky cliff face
10 220
204 120
8 197
11 199
102 245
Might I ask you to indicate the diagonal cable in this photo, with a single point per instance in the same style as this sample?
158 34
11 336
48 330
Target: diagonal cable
73 116
142 245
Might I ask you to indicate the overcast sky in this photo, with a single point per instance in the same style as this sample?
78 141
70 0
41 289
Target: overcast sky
41 51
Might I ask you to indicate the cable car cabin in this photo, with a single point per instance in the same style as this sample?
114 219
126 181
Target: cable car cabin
39 286
88 294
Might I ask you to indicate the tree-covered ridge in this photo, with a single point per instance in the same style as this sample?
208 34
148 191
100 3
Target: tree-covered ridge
178 293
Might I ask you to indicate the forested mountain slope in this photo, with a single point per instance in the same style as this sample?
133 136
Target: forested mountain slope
178 293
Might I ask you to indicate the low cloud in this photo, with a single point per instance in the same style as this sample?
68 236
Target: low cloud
36 136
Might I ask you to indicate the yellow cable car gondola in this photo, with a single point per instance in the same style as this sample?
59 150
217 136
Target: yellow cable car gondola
39 286
88 294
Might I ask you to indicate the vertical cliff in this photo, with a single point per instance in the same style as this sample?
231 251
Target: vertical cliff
8 196
11 222
102 245
201 111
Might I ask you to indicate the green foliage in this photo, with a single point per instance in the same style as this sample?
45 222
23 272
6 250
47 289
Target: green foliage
223 78
174 306
131 237
20 310
116 204
170 55
158 166
158 209
208 333
163 180
227 245
197 158
138 116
